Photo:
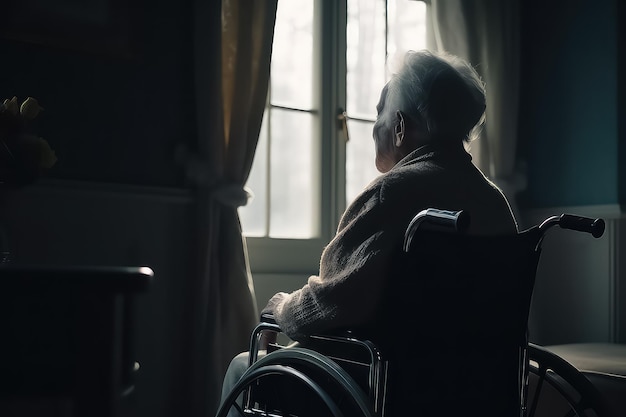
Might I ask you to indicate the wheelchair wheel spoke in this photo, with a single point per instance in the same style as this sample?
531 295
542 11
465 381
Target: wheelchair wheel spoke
256 374
238 408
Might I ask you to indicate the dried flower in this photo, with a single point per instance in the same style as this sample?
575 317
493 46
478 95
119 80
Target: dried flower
30 108
23 155
11 105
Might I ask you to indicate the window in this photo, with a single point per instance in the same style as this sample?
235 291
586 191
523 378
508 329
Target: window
330 61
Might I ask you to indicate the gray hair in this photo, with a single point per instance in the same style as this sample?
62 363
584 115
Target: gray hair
442 93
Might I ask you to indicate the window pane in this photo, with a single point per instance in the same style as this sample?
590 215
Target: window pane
293 190
376 44
360 158
365 56
254 215
407 29
292 55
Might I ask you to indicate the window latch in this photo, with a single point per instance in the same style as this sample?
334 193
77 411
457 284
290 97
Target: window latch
342 123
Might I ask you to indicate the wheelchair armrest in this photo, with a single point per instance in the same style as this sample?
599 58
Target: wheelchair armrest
267 323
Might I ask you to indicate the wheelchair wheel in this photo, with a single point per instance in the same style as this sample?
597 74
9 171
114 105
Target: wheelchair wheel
296 382
556 388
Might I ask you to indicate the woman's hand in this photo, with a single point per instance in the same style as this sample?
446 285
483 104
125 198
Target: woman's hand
274 304
268 337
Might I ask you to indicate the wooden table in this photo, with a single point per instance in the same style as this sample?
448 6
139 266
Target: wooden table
67 337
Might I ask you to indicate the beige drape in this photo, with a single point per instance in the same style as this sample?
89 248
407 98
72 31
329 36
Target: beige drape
487 34
231 93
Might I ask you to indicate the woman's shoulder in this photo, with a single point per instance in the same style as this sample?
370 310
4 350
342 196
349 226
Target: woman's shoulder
418 177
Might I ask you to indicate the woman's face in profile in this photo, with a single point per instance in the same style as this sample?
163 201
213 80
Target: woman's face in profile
383 133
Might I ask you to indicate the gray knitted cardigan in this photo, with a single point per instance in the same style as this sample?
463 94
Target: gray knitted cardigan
355 264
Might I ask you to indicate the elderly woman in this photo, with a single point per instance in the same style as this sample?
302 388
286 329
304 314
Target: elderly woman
427 113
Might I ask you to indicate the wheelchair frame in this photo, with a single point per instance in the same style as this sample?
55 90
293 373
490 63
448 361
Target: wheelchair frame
368 395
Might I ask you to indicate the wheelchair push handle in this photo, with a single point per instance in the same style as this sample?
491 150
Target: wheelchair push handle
574 222
437 220
456 220
582 224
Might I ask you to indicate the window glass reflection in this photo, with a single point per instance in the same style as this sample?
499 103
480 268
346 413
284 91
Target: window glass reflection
360 161
254 215
292 55
376 44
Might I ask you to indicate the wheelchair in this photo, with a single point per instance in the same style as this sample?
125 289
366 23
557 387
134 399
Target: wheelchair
450 338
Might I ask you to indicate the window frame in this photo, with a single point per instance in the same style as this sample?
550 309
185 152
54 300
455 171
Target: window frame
280 255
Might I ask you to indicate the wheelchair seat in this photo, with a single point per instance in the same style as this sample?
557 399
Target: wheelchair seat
449 339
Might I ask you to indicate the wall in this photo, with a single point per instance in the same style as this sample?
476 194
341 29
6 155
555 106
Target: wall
119 99
568 132
112 114
579 291
621 97
571 143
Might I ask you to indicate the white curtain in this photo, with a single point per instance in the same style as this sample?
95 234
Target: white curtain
233 47
487 34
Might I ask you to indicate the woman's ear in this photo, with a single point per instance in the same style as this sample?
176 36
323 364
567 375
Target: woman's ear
399 129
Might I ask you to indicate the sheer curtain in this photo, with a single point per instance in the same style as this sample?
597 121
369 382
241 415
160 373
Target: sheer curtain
231 90
487 34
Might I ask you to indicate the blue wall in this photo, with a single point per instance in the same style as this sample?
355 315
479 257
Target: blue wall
621 93
569 123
